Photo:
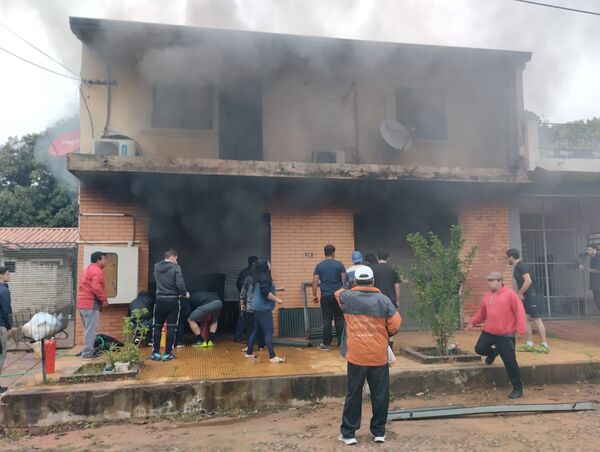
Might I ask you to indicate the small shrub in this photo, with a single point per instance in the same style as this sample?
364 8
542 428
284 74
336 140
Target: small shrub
437 275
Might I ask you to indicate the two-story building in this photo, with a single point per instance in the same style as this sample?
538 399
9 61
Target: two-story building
228 143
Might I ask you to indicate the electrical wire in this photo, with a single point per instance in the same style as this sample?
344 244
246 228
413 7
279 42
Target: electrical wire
36 48
594 13
38 66
88 110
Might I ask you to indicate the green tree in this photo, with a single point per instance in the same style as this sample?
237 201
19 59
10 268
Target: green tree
30 195
437 274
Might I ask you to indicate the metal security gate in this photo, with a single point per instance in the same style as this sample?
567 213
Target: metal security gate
554 233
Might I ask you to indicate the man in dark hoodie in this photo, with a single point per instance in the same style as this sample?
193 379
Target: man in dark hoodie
5 316
169 288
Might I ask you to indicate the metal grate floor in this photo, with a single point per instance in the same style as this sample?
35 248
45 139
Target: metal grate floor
227 361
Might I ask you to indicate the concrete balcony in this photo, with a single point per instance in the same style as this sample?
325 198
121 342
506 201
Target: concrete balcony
569 148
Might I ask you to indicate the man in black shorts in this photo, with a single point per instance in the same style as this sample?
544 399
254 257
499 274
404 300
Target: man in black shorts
532 300
594 271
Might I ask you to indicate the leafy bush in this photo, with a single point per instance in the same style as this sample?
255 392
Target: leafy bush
133 328
437 275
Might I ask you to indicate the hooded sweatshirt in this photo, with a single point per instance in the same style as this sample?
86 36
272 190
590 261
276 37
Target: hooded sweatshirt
502 313
169 280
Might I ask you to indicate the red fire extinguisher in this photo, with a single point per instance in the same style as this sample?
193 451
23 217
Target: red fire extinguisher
49 355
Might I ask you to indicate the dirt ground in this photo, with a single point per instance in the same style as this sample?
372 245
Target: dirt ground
315 428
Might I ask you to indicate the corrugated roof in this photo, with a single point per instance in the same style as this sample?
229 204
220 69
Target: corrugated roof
38 237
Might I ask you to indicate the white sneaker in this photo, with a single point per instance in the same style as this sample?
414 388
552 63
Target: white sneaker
347 441
379 439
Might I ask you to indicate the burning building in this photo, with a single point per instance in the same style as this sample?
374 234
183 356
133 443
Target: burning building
224 144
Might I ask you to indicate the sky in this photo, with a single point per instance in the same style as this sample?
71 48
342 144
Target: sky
560 83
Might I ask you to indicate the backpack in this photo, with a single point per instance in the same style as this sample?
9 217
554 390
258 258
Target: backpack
104 341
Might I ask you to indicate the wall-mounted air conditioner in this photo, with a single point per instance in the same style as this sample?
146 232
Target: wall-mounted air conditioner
329 157
113 146
120 271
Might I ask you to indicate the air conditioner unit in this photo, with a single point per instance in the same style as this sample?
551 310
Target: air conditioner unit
329 156
113 146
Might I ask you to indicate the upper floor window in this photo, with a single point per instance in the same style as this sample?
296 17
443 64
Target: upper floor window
182 107
423 111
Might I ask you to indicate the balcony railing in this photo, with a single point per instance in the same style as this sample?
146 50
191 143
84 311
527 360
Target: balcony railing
570 141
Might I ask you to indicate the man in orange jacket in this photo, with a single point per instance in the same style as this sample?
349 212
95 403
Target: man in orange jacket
91 298
370 319
502 313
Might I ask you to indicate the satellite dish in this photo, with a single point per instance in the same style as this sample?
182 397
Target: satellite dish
395 134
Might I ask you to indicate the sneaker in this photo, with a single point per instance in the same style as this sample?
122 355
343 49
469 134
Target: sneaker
3 389
198 344
207 344
180 345
379 439
516 393
347 441
542 349
168 357
154 357
526 348
489 359
277 360
324 347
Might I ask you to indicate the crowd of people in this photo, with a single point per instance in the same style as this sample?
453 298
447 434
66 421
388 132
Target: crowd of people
360 301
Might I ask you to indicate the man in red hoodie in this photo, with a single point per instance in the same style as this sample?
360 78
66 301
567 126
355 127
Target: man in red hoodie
502 313
91 298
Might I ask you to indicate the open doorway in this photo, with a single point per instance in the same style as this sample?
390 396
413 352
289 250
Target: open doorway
213 242
374 231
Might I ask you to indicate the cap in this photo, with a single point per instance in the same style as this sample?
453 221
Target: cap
363 273
356 257
495 275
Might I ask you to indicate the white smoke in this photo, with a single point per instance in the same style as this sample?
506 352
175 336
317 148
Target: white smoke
559 81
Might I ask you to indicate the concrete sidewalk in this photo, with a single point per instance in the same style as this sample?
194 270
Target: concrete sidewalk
570 342
221 379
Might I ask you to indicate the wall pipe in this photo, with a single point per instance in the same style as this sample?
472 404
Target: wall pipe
109 214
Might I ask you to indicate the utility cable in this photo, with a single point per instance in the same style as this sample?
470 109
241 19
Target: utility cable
36 48
594 13
38 66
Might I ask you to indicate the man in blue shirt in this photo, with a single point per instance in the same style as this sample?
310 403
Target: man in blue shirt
330 274
5 316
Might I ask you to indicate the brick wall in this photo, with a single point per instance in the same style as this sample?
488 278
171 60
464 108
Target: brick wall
295 232
485 225
118 229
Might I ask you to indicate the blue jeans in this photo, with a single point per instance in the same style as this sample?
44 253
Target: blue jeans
250 327
240 326
263 321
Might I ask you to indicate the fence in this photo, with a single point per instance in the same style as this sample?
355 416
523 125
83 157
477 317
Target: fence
43 279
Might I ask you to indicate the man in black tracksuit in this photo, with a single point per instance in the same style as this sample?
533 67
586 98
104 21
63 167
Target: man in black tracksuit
169 288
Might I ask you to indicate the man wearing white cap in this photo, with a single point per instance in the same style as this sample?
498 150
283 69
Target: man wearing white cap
502 313
371 319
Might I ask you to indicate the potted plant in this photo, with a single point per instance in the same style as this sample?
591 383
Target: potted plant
111 358
121 358
437 275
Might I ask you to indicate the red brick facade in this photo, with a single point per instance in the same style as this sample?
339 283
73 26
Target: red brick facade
486 225
111 229
297 240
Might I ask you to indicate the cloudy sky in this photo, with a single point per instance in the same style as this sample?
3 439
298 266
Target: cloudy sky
561 81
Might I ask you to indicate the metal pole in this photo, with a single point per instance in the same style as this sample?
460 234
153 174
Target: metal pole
43 342
546 257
